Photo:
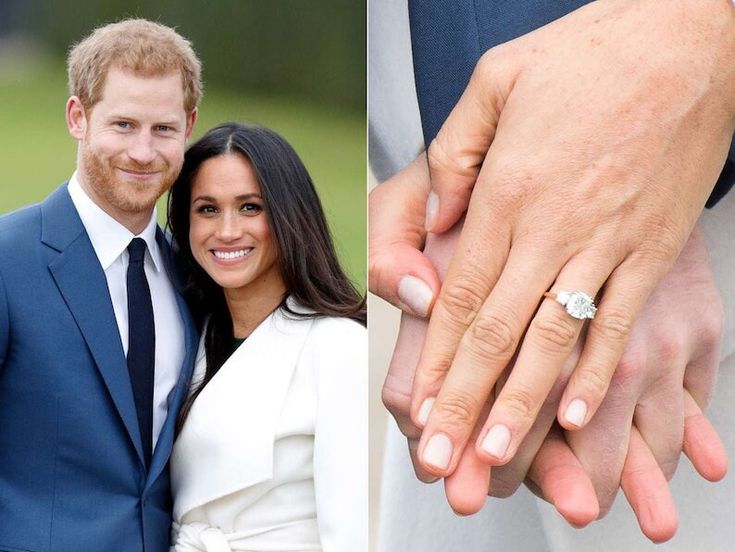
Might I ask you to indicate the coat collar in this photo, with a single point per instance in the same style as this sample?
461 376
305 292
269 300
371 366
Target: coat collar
226 443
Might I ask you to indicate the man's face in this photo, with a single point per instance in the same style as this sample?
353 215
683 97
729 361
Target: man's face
131 143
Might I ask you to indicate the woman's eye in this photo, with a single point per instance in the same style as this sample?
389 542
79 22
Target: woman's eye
251 208
206 209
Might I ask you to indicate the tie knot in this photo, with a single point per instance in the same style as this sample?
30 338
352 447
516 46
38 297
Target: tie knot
136 250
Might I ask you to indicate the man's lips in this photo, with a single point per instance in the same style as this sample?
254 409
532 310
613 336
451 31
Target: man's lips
136 173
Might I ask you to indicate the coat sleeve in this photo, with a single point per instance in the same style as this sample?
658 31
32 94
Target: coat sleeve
4 324
340 438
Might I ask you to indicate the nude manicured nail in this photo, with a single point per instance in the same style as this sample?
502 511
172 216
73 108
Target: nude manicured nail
432 208
576 412
496 441
425 410
438 451
415 294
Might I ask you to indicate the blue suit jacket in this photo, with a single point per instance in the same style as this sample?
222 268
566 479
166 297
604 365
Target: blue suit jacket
72 476
449 37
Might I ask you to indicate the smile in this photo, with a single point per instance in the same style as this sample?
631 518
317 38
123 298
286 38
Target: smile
230 255
139 174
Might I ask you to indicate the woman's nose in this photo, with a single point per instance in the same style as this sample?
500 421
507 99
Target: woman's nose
230 227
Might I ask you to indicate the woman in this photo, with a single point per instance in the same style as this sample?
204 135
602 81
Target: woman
271 453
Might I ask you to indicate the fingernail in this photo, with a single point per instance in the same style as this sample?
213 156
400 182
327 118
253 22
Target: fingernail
576 412
425 410
432 208
496 441
438 451
416 294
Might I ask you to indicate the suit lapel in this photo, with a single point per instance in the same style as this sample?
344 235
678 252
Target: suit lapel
82 283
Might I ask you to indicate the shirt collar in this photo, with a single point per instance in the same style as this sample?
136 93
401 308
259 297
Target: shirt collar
110 238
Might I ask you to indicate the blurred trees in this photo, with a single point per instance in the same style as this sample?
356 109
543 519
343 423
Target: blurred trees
314 49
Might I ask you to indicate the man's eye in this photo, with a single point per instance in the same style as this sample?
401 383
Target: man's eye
122 124
164 128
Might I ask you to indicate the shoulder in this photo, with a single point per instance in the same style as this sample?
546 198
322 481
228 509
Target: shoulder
19 223
335 348
336 333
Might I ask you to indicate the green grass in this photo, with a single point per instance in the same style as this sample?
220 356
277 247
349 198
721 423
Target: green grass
37 153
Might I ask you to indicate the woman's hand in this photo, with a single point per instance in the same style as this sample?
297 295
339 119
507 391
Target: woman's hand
595 142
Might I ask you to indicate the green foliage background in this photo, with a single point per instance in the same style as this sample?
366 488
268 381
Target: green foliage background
295 66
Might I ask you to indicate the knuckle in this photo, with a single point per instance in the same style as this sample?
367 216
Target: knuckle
593 380
442 158
630 369
613 325
520 405
554 333
493 336
669 350
713 328
456 410
462 297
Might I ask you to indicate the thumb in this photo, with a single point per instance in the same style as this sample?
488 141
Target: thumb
456 154
404 277
398 270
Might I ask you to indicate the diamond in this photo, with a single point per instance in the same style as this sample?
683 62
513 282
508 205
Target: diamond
580 305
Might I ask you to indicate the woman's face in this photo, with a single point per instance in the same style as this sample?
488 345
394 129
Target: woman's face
229 233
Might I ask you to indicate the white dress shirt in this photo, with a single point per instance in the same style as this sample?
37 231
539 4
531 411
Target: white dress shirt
110 240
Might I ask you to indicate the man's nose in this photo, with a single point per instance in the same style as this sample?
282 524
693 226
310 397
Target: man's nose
142 150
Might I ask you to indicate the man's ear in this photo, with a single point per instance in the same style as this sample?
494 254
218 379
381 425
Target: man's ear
76 118
190 120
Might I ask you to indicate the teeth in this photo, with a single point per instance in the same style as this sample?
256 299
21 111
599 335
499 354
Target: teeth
231 254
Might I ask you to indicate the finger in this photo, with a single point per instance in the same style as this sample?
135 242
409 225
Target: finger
660 422
404 277
701 372
396 392
482 354
550 338
459 149
702 445
647 491
563 482
624 295
507 478
398 270
467 488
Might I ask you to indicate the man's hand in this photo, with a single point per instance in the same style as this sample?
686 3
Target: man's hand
595 142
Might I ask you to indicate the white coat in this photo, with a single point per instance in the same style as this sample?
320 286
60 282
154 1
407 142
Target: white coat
273 453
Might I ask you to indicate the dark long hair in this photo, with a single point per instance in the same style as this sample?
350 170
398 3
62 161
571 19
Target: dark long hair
306 256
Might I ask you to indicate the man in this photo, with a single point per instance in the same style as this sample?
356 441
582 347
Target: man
96 344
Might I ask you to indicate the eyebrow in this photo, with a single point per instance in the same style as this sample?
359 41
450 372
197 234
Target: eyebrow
168 120
241 197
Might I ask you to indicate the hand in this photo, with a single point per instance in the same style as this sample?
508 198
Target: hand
553 470
607 449
595 142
